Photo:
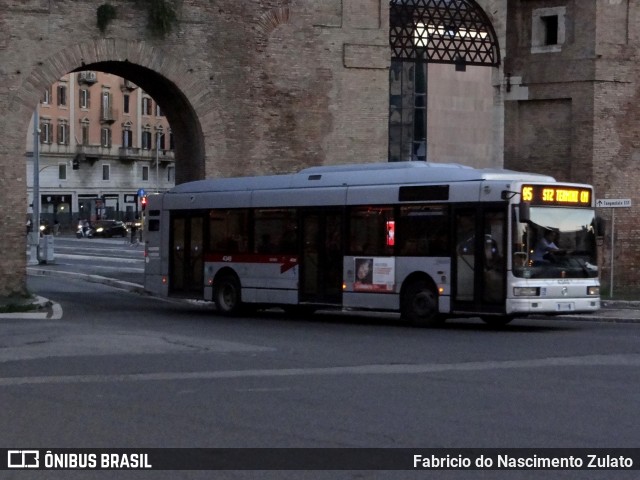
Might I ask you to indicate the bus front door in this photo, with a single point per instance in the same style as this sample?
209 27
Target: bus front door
478 260
186 263
321 262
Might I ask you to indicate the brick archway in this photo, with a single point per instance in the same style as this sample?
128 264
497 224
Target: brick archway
162 77
150 68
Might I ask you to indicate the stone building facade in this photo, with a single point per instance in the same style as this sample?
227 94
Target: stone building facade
101 140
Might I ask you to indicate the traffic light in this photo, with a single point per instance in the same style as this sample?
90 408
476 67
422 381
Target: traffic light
143 203
75 164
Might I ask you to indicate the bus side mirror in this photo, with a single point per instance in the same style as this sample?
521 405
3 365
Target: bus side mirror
523 212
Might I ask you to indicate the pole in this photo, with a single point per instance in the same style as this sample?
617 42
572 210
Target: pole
613 231
35 222
157 161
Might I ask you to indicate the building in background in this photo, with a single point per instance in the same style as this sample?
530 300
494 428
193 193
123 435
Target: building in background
102 141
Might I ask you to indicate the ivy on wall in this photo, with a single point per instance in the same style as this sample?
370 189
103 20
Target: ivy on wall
161 15
106 13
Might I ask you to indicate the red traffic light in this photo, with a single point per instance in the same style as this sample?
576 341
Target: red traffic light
143 202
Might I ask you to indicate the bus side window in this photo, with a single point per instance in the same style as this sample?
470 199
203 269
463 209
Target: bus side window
228 230
369 229
423 231
275 230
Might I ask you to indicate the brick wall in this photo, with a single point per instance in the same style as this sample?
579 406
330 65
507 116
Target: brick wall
249 87
255 86
594 76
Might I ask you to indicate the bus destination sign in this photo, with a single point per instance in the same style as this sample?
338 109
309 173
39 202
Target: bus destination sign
556 195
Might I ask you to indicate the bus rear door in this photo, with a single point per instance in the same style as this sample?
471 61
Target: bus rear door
186 262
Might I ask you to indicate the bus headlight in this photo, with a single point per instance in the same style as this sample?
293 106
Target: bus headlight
593 291
526 291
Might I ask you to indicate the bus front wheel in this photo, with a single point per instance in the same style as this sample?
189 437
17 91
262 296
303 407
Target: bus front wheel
227 295
420 305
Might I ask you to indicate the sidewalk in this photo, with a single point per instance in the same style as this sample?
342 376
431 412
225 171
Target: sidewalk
618 311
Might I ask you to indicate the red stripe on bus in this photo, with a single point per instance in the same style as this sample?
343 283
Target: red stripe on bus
287 262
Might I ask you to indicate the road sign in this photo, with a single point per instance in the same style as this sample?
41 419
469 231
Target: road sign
613 202
141 192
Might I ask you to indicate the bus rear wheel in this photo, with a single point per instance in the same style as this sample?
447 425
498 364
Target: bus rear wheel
226 295
419 305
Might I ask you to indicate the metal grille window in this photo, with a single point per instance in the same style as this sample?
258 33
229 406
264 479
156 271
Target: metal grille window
447 31
456 32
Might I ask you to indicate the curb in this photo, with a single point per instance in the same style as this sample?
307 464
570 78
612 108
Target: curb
47 310
128 286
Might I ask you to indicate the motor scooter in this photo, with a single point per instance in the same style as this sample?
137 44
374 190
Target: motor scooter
84 231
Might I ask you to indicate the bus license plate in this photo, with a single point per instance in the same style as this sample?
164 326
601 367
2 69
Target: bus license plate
564 307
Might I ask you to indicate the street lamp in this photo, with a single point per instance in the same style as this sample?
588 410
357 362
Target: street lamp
35 232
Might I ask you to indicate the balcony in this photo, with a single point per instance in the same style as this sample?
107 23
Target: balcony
108 114
128 86
128 154
89 153
163 156
88 78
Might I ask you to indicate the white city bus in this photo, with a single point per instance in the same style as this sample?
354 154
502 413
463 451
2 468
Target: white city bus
427 240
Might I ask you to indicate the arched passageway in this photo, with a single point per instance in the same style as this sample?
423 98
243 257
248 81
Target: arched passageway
149 69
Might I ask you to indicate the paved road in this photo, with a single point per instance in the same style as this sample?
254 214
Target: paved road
114 258
126 370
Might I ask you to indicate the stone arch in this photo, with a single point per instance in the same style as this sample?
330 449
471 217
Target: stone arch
184 96
165 78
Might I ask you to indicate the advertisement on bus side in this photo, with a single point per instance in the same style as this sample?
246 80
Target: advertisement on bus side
374 274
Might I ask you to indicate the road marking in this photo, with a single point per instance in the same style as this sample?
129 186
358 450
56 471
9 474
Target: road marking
52 312
96 258
626 360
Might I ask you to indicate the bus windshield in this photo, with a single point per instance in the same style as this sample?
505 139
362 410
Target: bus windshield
555 243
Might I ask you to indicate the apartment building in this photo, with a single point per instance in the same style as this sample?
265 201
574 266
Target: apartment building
102 141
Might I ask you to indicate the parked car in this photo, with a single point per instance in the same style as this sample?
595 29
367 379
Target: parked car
109 228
